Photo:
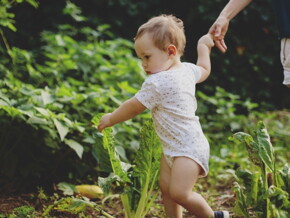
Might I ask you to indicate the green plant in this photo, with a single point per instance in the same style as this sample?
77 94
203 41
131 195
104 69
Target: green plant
136 183
23 212
48 98
7 20
72 206
266 188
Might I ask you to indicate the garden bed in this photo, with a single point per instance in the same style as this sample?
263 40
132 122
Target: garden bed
111 205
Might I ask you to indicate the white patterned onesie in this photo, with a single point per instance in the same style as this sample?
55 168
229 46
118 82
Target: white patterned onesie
170 95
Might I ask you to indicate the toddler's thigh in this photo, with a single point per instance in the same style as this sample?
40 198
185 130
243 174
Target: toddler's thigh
184 174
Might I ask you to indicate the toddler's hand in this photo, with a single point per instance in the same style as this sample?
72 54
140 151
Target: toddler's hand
207 40
104 122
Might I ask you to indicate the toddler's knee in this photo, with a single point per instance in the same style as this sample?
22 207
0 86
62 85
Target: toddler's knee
178 196
164 187
183 197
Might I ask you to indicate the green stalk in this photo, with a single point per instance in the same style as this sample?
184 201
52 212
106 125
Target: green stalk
265 181
9 51
275 174
143 198
126 205
153 197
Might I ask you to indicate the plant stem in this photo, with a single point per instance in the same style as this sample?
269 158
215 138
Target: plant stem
126 205
6 45
264 175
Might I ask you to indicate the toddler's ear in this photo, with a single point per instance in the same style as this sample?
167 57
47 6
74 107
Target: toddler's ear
171 50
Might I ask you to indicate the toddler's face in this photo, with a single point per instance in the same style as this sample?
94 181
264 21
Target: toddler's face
153 59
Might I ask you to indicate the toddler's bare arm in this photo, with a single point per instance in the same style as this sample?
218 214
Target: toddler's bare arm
126 111
204 45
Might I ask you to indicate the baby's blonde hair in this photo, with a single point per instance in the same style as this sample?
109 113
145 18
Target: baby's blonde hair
165 30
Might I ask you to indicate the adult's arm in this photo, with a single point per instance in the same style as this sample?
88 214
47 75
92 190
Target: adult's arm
220 26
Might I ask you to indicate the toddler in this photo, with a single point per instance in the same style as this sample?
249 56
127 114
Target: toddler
169 93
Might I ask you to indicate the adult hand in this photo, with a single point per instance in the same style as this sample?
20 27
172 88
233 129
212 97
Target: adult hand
219 30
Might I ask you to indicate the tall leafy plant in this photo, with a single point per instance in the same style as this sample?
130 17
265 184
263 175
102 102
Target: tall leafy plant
266 188
136 183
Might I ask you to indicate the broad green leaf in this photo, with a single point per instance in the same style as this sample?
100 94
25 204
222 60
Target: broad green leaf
67 121
78 98
114 99
4 99
11 26
251 182
112 184
265 147
37 120
32 72
127 88
108 143
43 111
255 187
78 148
285 174
251 146
12 111
66 188
102 157
59 40
33 3
61 128
240 203
74 11
279 197
3 103
46 97
69 64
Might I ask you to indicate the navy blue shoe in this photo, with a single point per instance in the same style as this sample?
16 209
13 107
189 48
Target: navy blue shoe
221 214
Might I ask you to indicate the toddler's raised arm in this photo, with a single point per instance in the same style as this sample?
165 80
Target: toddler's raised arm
204 45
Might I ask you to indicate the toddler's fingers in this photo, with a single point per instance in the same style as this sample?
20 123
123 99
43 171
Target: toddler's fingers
100 128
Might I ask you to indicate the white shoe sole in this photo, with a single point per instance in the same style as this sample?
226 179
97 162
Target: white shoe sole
226 214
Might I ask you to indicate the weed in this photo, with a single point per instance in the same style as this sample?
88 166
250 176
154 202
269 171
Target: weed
23 212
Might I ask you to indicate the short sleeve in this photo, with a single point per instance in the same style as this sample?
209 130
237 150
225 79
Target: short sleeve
148 95
195 69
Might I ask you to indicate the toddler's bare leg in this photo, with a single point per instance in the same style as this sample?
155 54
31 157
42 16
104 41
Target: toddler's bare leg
172 209
184 174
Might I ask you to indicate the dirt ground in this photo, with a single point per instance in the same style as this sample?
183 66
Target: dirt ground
111 206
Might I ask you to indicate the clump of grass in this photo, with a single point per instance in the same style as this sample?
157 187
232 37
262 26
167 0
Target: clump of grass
23 211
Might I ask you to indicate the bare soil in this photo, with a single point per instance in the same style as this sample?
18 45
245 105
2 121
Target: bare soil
111 205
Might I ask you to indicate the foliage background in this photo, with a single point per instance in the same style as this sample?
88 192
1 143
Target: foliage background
250 68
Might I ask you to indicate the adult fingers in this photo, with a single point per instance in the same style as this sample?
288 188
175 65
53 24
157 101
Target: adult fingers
220 44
